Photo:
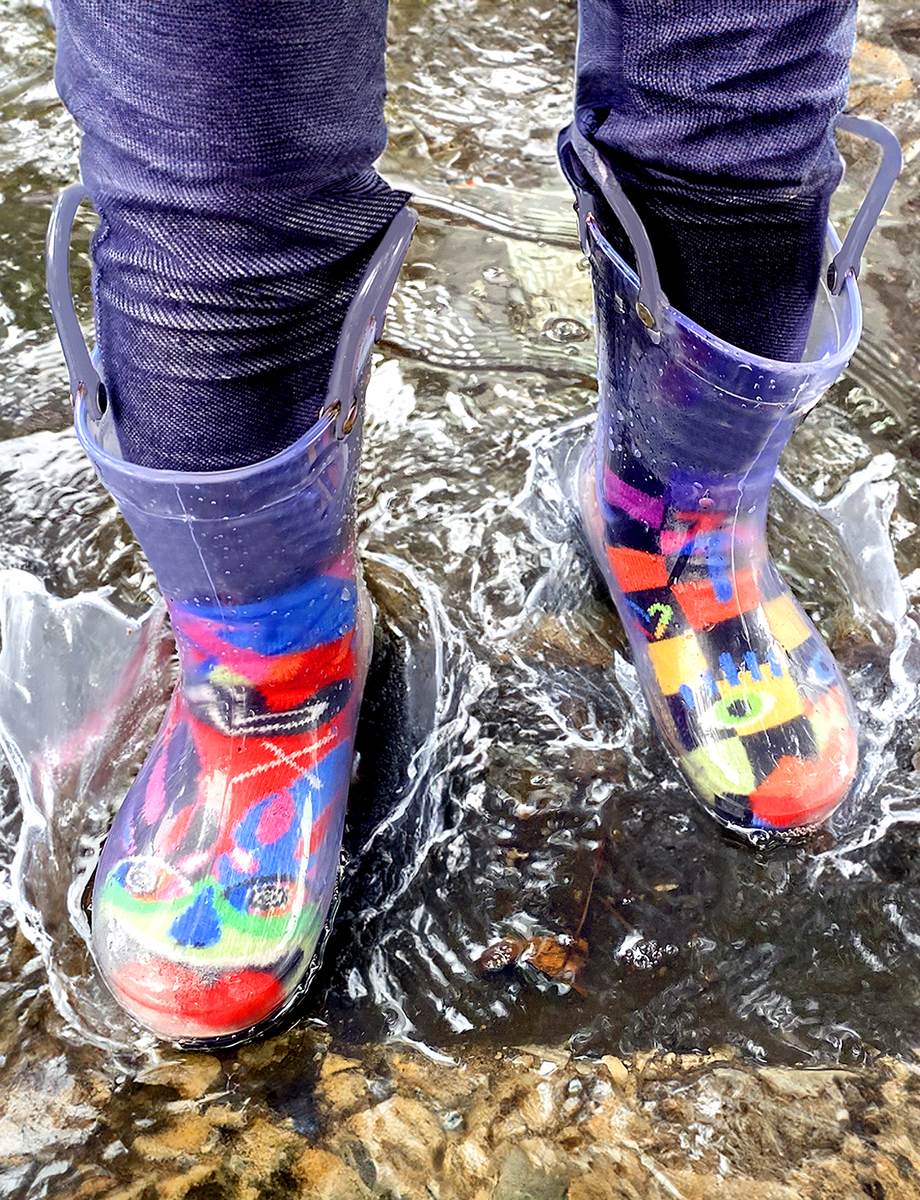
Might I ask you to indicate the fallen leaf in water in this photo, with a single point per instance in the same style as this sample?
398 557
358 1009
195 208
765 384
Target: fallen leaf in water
561 959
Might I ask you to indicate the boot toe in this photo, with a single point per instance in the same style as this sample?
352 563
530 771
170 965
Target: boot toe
177 1002
779 782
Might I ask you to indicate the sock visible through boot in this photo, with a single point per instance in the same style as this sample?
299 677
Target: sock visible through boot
743 266
745 269
674 489
743 688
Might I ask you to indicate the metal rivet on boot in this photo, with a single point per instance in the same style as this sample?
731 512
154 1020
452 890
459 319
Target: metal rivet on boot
349 422
331 410
644 315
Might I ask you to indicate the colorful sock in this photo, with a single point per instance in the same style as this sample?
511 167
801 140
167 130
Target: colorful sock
746 695
217 875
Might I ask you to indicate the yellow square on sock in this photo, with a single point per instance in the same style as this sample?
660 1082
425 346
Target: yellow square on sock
786 622
676 661
755 705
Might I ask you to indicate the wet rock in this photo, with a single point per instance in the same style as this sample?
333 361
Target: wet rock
335 1064
92 1186
43 1107
799 1084
470 1159
192 1077
191 1181
573 637
879 78
192 1134
342 1086
536 1112
521 1179
293 1049
624 1175
616 1069
404 1142
614 1117
450 1088
534 1123
324 1176
704 1187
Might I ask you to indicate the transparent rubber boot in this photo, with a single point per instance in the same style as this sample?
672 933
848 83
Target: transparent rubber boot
218 873
673 489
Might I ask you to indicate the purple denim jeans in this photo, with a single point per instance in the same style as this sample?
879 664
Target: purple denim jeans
228 146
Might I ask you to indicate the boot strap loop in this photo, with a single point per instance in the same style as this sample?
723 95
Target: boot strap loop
651 298
84 378
349 372
847 259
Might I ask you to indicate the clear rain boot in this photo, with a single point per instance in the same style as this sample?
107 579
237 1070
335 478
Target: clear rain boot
673 489
216 878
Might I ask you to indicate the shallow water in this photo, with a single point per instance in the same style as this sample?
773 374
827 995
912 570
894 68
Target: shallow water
509 784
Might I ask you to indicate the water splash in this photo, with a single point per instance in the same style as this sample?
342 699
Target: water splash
78 684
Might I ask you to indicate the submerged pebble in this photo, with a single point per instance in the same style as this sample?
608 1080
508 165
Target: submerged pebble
509 789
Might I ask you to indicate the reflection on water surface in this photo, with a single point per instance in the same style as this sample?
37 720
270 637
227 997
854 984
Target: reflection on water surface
509 786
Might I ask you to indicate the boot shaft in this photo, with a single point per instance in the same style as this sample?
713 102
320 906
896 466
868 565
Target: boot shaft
688 417
242 536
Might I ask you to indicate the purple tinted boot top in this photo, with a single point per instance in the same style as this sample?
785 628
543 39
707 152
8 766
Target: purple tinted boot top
673 490
218 873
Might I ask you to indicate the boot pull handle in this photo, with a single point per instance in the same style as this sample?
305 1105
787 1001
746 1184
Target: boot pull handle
651 298
847 259
347 381
84 378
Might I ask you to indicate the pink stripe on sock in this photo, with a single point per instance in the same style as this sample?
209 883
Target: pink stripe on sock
673 541
638 505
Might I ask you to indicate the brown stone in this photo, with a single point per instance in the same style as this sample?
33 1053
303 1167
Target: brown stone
180 1185
265 1147
879 78
323 1176
192 1076
574 638
93 1187
404 1142
521 1179
691 1186
470 1159
616 1068
344 1091
799 1084
334 1064
689 1127
618 1176
190 1134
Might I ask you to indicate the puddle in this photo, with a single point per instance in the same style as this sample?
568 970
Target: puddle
509 784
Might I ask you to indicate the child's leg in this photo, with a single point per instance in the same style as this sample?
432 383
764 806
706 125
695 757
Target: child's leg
244 240
717 122
228 149
717 119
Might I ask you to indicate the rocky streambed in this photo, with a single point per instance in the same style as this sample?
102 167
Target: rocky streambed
743 1023
320 1121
